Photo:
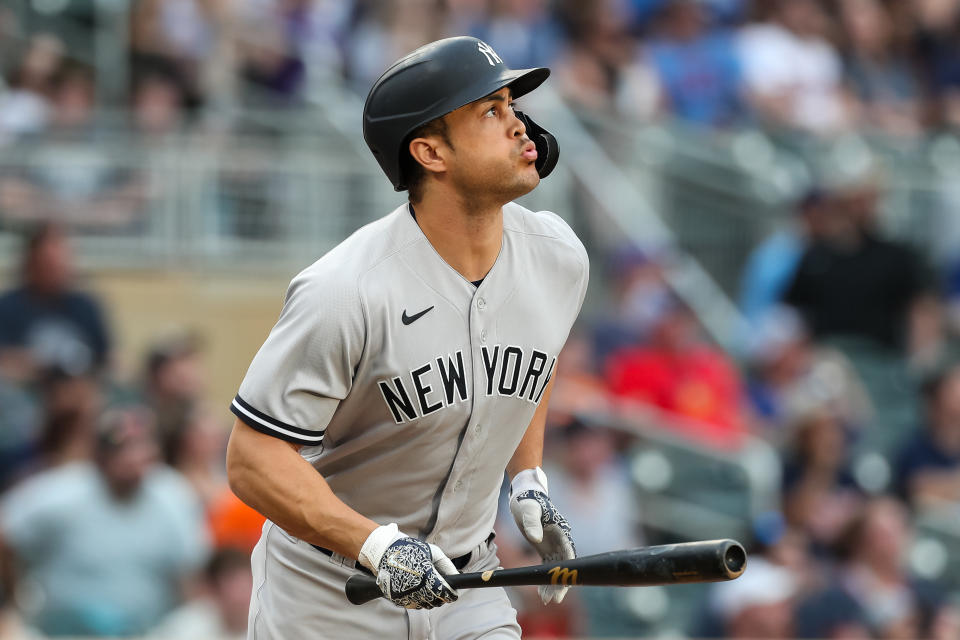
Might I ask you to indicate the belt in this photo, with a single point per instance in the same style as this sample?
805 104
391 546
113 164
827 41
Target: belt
459 562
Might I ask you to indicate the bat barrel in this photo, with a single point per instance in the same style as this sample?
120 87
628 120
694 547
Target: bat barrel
704 561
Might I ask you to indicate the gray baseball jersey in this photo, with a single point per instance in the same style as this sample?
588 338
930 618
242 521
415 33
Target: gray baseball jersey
409 386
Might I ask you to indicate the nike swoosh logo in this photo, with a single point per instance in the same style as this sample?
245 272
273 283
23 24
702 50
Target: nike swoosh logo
411 319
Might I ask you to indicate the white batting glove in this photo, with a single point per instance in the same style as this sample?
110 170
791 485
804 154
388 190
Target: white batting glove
407 569
541 524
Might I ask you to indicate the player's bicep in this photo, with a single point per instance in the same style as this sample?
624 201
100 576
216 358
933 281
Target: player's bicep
250 454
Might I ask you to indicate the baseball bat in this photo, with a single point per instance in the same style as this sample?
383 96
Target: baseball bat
703 561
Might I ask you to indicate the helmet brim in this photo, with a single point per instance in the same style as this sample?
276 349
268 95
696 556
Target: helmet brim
523 81
520 81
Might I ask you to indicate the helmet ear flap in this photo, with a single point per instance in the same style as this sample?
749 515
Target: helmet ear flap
548 149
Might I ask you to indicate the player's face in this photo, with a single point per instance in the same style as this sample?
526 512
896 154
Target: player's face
492 155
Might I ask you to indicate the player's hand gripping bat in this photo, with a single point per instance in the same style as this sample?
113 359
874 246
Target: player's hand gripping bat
705 561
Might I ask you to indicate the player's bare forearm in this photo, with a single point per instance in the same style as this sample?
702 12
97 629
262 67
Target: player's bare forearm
270 475
529 452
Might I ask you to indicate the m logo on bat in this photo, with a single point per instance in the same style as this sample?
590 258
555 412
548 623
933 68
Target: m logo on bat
562 576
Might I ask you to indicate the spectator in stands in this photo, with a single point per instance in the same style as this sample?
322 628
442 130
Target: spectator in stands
158 103
854 283
762 606
600 69
221 610
930 344
758 604
524 32
771 265
790 376
639 295
595 486
937 48
311 33
928 469
678 372
792 73
71 404
107 543
785 546
196 446
463 16
46 320
270 63
387 31
19 432
579 387
873 588
69 176
952 294
24 106
194 443
698 68
878 74
191 437
174 380
193 38
820 493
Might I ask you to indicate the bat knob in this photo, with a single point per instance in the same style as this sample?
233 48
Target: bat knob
361 589
734 559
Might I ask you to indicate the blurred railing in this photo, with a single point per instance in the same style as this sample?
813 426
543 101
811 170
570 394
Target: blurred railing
257 201
292 184
720 192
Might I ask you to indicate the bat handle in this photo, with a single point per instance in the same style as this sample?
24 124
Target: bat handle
361 588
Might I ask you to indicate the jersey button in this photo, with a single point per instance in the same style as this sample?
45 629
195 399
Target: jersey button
481 304
483 335
458 486
477 429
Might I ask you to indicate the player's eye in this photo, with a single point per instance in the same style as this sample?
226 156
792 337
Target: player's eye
492 111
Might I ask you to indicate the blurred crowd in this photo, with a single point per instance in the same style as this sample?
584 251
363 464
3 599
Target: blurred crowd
115 515
153 69
818 66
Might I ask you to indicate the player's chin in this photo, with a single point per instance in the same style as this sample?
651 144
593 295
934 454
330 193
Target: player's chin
525 181
528 174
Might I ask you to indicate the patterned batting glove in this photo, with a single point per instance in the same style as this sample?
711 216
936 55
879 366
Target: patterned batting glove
409 571
541 524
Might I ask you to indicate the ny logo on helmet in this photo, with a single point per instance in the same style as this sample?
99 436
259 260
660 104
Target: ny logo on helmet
491 55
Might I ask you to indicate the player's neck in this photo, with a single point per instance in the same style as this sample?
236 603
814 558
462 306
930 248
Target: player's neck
469 241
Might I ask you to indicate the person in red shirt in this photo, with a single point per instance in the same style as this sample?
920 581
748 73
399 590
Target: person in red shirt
677 371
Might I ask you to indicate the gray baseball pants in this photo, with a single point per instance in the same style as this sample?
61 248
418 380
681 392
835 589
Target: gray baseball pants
298 594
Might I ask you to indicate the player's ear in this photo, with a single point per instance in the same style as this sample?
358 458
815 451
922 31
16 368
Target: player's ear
430 152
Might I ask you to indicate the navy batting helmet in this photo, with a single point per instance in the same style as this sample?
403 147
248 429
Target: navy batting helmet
431 82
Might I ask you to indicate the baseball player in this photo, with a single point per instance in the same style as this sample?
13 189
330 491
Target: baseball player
412 365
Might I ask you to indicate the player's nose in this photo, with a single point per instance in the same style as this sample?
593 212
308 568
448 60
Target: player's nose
519 129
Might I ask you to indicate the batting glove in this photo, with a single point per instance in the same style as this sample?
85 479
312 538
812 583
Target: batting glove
541 524
407 569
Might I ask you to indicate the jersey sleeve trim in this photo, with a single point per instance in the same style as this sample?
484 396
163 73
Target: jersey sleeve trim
273 427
